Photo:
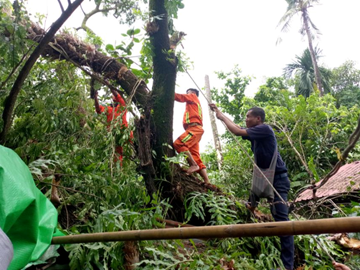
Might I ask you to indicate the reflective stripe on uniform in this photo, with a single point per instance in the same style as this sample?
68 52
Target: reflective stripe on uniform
187 118
188 137
200 111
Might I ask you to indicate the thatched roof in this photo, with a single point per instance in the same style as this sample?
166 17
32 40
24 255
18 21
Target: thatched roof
346 180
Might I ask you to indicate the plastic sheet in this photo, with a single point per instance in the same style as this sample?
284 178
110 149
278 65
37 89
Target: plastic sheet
26 216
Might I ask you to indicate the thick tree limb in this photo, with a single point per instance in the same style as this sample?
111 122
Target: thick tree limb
11 99
65 46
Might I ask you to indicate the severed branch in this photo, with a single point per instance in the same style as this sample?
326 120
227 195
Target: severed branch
11 99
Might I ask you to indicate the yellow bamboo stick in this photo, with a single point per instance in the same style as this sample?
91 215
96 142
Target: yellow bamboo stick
317 226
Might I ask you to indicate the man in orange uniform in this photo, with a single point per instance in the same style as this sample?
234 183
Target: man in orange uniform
113 111
188 142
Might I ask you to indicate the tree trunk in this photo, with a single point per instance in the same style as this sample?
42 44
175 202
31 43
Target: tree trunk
312 53
164 77
219 156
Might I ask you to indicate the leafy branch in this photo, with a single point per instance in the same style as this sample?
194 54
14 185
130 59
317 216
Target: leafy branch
11 99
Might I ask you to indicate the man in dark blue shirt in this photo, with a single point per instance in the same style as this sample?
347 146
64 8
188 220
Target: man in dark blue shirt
263 145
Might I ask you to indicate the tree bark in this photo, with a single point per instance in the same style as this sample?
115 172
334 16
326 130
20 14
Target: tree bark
312 53
11 99
219 156
164 77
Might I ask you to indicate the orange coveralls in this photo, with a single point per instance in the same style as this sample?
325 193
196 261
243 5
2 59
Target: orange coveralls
192 122
112 113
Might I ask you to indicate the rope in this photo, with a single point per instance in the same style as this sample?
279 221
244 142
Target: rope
255 165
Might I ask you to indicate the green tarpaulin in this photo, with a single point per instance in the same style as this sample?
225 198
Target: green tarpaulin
26 215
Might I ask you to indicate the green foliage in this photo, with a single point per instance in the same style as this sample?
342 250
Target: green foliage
208 255
13 45
123 10
172 7
274 92
231 96
315 254
345 83
111 255
312 127
219 207
236 173
313 169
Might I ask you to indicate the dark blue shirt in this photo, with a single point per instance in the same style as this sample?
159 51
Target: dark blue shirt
265 147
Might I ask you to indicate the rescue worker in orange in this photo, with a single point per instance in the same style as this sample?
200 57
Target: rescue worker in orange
113 111
188 142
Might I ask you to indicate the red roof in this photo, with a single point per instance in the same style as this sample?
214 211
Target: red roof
347 179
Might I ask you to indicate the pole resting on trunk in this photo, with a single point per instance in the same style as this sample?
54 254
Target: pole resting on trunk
317 226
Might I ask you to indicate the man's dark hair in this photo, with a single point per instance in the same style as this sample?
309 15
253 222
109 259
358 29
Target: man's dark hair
256 111
195 90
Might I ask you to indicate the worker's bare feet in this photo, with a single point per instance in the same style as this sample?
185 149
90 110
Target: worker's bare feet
251 208
193 169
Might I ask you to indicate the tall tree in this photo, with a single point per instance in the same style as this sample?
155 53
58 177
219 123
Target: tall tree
304 73
301 7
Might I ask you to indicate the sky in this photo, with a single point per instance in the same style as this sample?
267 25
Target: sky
222 34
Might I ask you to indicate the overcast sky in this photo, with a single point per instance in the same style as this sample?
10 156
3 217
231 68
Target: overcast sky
221 34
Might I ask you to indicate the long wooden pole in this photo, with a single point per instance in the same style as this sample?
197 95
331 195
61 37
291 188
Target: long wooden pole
317 226
219 156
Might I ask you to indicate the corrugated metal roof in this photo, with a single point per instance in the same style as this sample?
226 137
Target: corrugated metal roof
347 179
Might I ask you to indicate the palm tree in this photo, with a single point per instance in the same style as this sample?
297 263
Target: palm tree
301 7
304 73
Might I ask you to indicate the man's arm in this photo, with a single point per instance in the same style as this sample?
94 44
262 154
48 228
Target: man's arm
97 106
235 129
184 98
340 266
118 97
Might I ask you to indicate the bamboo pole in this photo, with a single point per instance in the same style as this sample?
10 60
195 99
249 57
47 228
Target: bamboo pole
219 156
317 226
